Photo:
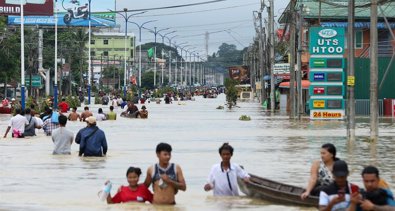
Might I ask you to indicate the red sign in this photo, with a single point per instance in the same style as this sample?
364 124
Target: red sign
31 7
133 80
319 90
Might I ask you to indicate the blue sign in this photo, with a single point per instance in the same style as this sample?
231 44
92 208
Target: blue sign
319 76
74 13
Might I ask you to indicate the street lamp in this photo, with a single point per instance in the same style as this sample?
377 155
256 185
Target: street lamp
155 32
170 61
22 58
163 43
126 17
182 48
186 58
176 68
140 26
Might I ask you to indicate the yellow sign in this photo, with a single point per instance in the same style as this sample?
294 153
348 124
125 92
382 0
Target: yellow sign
350 80
319 103
327 115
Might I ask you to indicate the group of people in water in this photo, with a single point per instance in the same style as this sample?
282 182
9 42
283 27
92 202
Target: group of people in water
167 179
328 180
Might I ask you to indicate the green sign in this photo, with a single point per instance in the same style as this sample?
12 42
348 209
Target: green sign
36 80
327 41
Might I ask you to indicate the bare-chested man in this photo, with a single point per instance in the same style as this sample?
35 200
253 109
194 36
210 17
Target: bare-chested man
85 114
74 116
166 177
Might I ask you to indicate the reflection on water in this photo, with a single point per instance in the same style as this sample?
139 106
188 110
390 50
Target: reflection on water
270 146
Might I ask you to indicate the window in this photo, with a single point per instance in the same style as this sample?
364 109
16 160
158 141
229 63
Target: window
92 42
131 54
359 39
105 53
93 53
105 42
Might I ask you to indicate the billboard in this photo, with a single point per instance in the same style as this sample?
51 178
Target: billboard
74 13
240 73
30 7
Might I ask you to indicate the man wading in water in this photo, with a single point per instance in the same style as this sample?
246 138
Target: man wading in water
166 177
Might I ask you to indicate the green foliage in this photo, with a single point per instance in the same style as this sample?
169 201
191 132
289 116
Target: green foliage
227 55
73 101
231 92
147 80
97 99
244 118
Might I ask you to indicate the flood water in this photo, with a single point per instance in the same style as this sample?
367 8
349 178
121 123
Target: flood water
270 146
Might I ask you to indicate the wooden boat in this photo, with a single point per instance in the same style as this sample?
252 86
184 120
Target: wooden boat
276 192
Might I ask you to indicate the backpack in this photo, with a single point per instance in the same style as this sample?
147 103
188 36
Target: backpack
55 118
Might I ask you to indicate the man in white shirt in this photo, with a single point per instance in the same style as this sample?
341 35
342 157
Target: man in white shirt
17 123
223 176
62 138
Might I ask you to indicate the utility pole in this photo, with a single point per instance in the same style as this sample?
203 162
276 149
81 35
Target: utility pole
271 29
261 33
374 120
292 56
299 105
350 72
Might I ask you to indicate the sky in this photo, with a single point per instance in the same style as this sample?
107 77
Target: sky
229 21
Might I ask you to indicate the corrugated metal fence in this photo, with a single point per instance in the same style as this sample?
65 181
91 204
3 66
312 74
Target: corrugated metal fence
362 107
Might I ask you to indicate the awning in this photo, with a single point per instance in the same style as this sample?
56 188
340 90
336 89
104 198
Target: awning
305 84
358 25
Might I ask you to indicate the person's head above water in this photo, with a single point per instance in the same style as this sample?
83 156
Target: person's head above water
100 111
86 108
163 152
226 152
226 147
328 152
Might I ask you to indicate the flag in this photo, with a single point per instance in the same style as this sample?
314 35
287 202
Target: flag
150 52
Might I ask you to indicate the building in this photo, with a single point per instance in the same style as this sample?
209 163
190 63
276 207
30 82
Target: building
108 49
334 14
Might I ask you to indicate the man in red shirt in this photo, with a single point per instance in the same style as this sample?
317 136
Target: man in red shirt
63 106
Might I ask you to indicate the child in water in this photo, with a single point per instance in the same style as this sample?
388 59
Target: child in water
133 192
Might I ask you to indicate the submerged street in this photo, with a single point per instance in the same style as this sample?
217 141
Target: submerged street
269 146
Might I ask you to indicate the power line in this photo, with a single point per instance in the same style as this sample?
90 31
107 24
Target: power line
198 11
174 6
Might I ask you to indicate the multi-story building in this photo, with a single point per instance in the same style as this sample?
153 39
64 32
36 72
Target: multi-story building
108 48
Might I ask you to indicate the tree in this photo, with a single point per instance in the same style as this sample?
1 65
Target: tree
231 92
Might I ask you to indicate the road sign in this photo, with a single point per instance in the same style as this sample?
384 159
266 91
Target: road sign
36 80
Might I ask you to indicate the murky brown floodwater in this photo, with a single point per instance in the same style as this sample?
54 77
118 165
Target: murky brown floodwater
269 146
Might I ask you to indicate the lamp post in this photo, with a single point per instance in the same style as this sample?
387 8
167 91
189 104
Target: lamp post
89 56
176 70
186 58
163 43
140 26
170 61
155 32
126 17
22 57
182 48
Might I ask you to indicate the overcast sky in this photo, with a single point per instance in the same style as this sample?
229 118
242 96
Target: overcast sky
234 16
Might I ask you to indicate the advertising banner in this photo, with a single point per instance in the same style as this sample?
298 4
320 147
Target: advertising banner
240 73
74 13
30 7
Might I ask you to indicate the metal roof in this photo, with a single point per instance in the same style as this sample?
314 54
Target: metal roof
337 9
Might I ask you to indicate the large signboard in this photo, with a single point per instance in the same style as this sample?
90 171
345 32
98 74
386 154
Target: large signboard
74 13
327 75
327 41
240 73
30 7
